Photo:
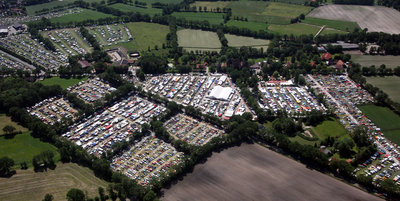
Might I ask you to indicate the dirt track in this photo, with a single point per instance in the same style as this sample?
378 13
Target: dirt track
375 18
252 172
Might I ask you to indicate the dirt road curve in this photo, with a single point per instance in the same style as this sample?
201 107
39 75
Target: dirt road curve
375 18
252 172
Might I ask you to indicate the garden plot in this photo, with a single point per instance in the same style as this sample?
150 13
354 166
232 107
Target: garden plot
117 123
111 34
374 18
53 110
192 40
147 160
214 94
69 41
91 90
294 100
34 51
11 62
191 130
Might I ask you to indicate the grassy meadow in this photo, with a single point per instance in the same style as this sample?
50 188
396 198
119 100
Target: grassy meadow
192 40
212 18
239 41
335 24
384 118
254 26
128 8
64 83
377 60
389 84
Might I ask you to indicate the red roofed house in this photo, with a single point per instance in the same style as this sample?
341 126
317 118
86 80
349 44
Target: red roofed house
326 56
339 64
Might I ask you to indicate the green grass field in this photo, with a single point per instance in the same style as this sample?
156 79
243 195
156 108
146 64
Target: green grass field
388 84
64 83
145 35
212 18
254 26
270 12
210 4
192 40
5 120
239 41
385 119
128 8
80 17
30 185
32 9
335 24
328 128
23 147
377 60
332 31
295 29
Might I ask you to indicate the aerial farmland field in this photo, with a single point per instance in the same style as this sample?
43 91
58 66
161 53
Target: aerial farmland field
252 172
128 8
374 18
80 17
212 18
239 41
389 84
30 185
254 26
377 60
192 40
335 24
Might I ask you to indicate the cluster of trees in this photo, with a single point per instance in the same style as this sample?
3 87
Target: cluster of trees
34 2
6 164
356 2
222 38
43 161
390 3
298 19
380 71
90 38
153 64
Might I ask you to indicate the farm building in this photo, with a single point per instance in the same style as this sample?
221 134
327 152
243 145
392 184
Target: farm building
345 46
3 31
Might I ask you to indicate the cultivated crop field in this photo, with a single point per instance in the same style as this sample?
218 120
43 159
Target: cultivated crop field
128 8
192 40
389 84
375 18
64 83
145 35
252 172
80 17
213 18
23 147
254 26
295 29
377 60
385 119
239 41
335 24
30 185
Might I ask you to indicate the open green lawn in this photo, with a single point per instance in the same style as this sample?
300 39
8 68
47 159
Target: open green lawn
192 40
64 83
377 60
254 26
295 29
335 24
5 120
23 147
389 84
52 5
385 119
212 18
332 31
30 185
239 41
145 35
86 14
328 128
128 8
270 12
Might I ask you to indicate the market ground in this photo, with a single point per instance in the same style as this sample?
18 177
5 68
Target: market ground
252 172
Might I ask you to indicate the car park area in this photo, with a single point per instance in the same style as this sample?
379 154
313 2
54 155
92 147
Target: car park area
111 34
191 130
68 42
52 110
33 50
214 94
91 90
284 96
148 159
11 62
98 133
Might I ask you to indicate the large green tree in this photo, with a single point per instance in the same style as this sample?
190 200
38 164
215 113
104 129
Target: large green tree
5 165
75 194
